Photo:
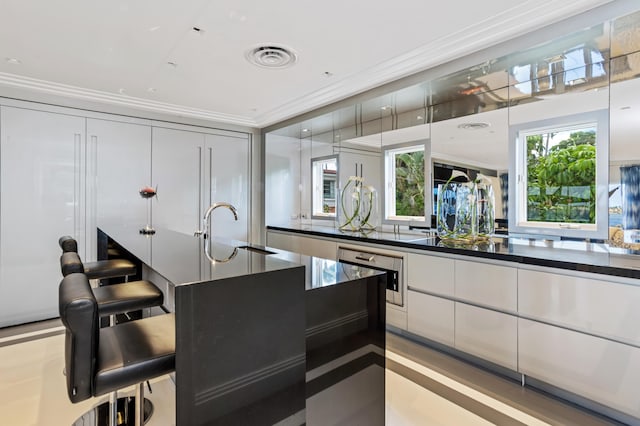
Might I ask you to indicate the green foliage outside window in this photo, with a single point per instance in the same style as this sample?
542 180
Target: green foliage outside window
562 178
410 184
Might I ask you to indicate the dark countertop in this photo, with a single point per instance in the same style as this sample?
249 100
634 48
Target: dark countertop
183 260
599 258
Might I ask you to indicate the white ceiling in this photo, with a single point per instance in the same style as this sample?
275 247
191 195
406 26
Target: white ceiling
118 51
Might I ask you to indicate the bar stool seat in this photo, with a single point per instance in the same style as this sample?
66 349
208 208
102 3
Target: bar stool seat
99 269
102 360
112 268
115 298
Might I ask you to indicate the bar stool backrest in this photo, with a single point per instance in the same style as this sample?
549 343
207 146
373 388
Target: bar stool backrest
71 263
68 244
79 314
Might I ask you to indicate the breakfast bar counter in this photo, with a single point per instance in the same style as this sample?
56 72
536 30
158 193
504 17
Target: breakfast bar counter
256 327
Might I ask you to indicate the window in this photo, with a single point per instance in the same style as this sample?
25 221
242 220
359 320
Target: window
404 196
324 181
560 185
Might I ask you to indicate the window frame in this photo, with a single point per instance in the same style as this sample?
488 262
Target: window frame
315 160
518 187
388 187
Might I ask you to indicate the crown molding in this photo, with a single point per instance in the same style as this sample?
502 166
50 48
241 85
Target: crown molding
507 25
513 22
42 86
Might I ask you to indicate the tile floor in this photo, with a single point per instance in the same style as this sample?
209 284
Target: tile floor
424 387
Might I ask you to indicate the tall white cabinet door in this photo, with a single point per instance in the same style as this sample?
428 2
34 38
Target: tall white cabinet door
228 180
123 168
177 167
41 199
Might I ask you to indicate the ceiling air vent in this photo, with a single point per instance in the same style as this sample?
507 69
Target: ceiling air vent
271 56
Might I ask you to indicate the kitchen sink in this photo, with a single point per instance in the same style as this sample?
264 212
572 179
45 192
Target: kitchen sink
256 250
423 240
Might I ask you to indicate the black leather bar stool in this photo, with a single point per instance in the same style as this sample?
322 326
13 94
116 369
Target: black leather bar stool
115 298
102 360
100 269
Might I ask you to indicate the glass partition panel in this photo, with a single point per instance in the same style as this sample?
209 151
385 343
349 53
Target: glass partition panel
473 147
282 176
624 151
625 35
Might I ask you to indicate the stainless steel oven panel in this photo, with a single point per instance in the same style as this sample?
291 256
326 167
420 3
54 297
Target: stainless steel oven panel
392 264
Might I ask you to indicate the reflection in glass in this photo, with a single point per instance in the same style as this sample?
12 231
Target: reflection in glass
404 176
324 182
561 174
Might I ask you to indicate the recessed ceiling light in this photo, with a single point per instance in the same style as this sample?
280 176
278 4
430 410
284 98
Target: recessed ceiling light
14 61
151 90
121 90
156 28
271 55
305 130
386 107
419 117
473 126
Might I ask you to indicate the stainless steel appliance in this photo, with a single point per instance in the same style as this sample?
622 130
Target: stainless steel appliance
384 262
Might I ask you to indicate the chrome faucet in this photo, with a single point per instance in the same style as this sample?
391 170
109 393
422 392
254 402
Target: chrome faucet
206 228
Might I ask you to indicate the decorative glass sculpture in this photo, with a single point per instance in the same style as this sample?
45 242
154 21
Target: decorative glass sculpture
465 212
456 211
486 210
358 209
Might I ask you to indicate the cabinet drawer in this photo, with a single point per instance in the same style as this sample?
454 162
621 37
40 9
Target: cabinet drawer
487 334
598 369
489 285
430 273
431 317
598 307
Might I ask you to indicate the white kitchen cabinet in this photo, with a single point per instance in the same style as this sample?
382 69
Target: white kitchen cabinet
487 334
192 170
229 180
304 245
431 317
123 152
432 274
595 368
485 284
42 197
178 161
604 308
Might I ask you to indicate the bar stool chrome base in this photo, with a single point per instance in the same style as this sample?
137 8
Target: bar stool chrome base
99 416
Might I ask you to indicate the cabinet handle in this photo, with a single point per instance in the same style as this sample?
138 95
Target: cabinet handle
93 189
210 177
365 258
77 157
200 212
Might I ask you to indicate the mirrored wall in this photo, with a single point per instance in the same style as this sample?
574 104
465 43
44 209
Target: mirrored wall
404 143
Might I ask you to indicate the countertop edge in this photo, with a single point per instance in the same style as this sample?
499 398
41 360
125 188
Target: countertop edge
602 269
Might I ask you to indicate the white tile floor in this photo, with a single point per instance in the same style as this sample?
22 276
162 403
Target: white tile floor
32 392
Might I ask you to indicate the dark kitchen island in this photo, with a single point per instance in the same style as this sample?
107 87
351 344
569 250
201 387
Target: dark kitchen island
265 336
